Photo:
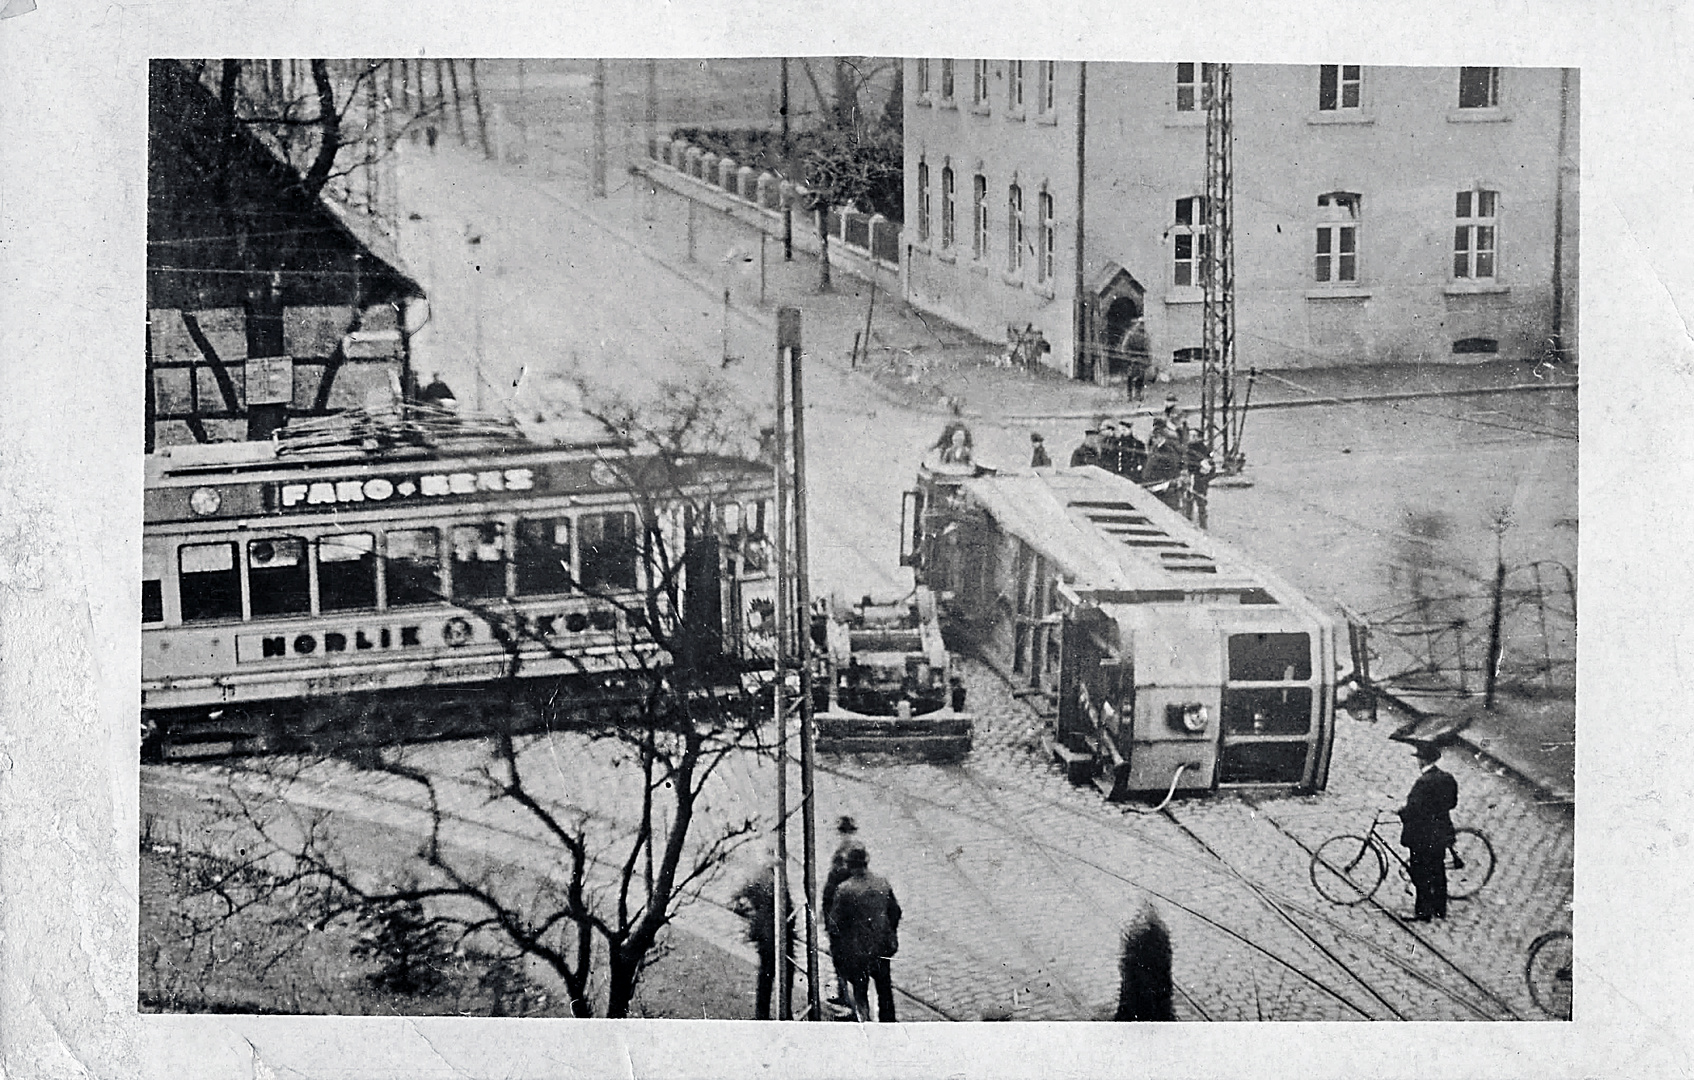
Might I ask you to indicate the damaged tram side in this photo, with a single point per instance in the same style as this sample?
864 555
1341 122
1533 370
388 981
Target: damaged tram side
1175 663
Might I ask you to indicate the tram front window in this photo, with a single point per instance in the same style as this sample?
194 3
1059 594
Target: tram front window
543 556
347 572
414 567
277 576
608 551
209 582
479 561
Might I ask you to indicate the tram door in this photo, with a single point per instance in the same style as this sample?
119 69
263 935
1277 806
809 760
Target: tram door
1269 709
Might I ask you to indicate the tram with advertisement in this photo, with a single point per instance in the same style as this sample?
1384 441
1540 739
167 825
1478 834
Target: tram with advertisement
427 556
1175 664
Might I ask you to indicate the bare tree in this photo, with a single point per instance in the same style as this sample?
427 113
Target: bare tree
841 169
675 707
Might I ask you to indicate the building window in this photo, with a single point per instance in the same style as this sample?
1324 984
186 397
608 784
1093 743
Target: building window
923 201
1190 91
347 572
1475 238
277 578
413 567
947 80
1188 241
947 206
923 77
1338 87
979 216
1479 87
209 582
979 82
1014 229
479 561
1337 258
1045 77
1014 85
1046 236
609 553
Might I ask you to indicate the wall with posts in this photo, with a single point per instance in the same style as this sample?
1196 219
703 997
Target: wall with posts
865 245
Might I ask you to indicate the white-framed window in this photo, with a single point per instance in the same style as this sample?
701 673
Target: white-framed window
979 82
947 206
1479 87
923 76
1339 86
979 216
1046 236
947 80
1476 235
1045 78
1188 241
1014 85
1191 86
923 201
1014 229
1337 258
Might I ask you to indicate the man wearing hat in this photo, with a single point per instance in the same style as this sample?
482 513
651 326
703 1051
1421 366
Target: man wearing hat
1038 458
1089 453
863 920
1426 831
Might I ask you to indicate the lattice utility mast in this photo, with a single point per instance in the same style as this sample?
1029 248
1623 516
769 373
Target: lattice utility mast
1222 416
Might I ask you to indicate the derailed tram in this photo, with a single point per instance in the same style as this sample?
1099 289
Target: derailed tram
1175 663
285 582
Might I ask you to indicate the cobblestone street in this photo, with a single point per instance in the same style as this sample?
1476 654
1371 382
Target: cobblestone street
1015 884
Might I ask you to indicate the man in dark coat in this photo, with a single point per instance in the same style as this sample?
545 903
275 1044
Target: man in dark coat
1089 453
1134 454
1426 831
848 828
1038 458
756 902
864 923
1144 969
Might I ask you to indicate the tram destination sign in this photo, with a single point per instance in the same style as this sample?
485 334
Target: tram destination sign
313 495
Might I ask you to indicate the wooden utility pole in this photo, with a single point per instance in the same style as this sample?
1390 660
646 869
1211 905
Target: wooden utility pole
481 117
458 102
599 172
787 204
785 988
788 336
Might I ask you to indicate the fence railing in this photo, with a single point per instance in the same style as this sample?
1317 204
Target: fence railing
872 237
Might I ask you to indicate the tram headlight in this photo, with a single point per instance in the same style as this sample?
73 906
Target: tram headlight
205 501
1191 717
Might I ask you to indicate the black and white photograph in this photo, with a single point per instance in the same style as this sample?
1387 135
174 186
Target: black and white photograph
737 534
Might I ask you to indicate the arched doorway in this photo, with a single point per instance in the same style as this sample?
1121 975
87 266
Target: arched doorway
1119 331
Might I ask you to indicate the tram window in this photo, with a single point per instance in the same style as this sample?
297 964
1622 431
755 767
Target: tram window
1270 657
277 576
347 572
1265 710
414 567
479 561
543 556
209 582
152 601
608 551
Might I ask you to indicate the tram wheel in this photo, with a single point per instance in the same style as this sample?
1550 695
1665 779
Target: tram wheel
1347 869
1470 863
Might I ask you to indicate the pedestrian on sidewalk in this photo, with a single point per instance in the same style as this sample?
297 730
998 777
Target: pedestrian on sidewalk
756 902
1089 452
864 925
848 829
1426 831
1144 969
1038 458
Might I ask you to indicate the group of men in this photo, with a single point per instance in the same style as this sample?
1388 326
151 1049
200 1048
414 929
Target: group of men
862 918
1174 463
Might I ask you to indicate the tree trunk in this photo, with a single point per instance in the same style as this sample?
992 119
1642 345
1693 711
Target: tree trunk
620 993
823 241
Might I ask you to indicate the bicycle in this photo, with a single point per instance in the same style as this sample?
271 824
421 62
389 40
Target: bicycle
1348 869
1548 972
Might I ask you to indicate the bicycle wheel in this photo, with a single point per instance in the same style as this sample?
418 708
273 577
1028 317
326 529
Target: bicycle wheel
1548 972
1347 869
1470 863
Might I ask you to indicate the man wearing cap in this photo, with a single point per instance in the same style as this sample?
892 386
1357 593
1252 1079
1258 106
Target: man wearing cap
863 920
1089 452
1133 453
1426 831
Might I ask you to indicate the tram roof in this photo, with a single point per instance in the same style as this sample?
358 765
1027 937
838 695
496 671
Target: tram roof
1108 535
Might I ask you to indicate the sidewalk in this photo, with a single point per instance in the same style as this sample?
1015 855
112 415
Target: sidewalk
921 363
